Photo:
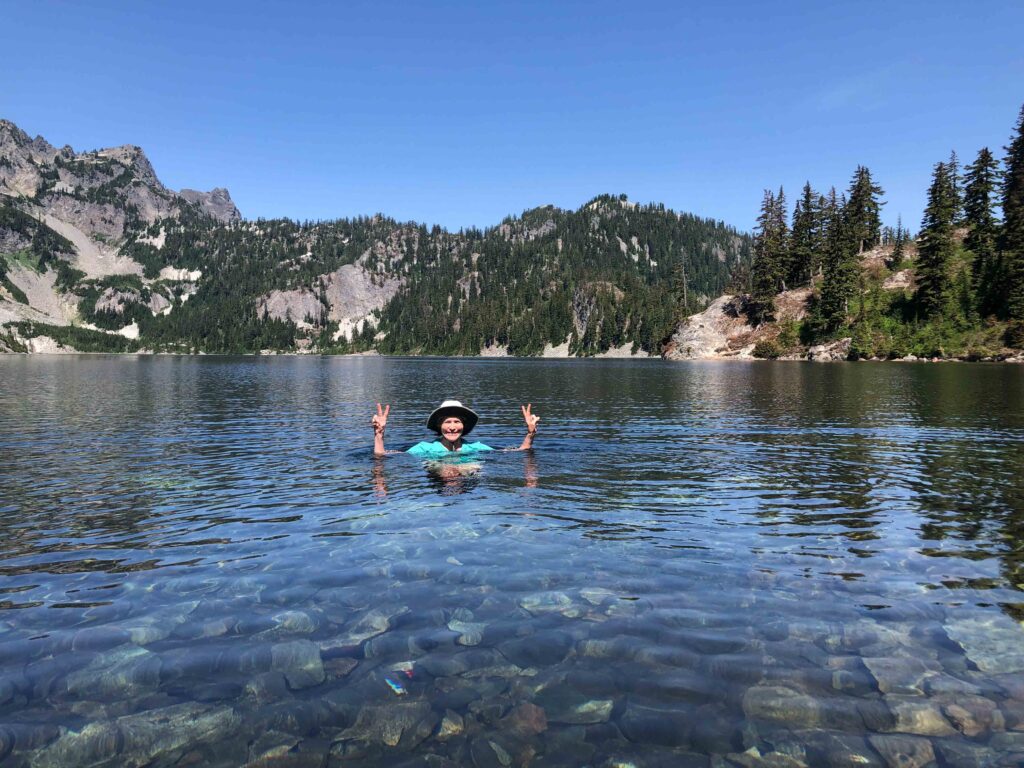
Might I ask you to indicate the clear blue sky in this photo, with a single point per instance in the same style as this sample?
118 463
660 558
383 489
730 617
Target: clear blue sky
459 113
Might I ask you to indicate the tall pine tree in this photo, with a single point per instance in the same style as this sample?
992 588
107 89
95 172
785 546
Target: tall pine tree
935 245
899 244
840 265
803 240
770 254
863 211
1012 240
981 178
955 186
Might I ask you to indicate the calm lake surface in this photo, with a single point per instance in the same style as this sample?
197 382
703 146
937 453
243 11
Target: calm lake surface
698 564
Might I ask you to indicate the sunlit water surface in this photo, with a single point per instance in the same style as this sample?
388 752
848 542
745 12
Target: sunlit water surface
698 564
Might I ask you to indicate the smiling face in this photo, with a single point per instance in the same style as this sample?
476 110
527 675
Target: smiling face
452 428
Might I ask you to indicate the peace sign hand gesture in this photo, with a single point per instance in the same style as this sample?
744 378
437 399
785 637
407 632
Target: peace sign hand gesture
380 420
529 418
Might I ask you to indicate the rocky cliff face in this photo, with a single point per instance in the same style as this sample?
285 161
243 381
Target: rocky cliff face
217 202
95 190
94 201
349 296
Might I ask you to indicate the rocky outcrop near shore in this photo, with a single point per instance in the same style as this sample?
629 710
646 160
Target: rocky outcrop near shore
724 331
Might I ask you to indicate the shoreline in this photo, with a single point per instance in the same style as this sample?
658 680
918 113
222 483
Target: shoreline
1012 360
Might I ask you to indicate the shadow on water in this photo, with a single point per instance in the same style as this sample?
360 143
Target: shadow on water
818 562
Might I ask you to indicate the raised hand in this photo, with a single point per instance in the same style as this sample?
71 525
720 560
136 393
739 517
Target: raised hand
380 420
529 418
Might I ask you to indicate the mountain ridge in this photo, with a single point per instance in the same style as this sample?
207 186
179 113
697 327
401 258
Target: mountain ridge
94 247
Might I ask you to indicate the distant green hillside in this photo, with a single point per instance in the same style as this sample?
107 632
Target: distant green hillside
612 273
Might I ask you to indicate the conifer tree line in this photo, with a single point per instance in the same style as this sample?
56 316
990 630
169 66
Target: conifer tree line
609 274
969 265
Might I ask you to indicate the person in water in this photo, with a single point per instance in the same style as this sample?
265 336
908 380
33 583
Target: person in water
452 421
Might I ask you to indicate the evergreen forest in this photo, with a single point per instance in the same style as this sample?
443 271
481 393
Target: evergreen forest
956 289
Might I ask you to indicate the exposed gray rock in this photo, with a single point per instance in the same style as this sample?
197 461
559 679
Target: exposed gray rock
158 302
58 183
353 292
217 203
116 301
832 351
899 281
707 334
300 306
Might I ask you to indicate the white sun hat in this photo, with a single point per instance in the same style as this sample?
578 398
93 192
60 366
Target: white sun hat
452 408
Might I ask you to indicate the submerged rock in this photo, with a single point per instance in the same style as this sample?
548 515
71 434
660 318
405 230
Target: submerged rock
918 716
650 725
486 753
399 724
526 719
899 674
374 622
95 743
994 643
540 603
294 622
782 705
563 704
140 739
974 715
539 650
125 672
451 725
903 751
299 661
267 687
470 632
963 754
271 745
841 750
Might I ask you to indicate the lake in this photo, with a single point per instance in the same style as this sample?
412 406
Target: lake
728 564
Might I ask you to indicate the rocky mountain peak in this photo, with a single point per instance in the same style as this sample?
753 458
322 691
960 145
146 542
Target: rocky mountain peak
66 183
9 132
217 202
